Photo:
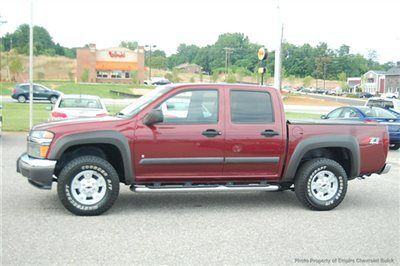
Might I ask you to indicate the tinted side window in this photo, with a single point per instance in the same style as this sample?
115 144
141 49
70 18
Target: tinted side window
191 107
38 89
251 107
349 113
335 114
24 87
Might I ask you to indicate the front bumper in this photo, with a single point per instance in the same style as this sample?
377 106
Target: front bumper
385 169
38 171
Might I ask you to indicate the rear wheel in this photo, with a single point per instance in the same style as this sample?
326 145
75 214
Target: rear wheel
321 184
88 185
21 99
53 99
394 147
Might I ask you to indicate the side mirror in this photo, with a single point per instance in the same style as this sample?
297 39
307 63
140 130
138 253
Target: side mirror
153 117
324 117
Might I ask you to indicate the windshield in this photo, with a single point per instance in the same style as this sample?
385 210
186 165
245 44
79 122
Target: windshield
377 112
380 103
143 101
80 103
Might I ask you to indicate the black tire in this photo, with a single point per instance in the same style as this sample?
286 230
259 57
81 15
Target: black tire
394 147
21 98
53 99
306 178
79 165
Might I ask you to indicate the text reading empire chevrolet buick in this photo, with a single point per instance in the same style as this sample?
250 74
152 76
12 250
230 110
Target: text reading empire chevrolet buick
202 137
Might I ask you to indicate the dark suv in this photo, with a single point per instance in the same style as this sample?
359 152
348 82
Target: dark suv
40 92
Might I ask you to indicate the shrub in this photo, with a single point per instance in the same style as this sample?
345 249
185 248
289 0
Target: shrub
85 75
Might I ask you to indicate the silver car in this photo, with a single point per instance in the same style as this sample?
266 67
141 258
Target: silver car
78 106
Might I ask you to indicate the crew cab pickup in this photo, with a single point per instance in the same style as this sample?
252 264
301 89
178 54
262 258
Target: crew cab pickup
202 137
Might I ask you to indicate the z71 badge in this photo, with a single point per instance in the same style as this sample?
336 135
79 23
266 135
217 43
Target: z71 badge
373 140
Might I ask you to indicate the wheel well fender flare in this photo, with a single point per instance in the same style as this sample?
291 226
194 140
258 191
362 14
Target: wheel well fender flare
336 141
97 137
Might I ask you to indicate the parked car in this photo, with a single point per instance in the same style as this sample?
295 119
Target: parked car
245 144
78 106
393 104
370 114
365 95
157 81
392 95
40 92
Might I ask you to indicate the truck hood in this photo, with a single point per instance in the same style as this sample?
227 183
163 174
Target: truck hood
82 122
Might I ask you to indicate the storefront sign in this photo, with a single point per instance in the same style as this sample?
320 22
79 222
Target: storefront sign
116 54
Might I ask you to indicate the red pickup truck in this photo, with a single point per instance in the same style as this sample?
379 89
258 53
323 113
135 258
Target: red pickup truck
202 137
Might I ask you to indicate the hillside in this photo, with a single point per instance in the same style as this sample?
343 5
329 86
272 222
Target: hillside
63 68
44 67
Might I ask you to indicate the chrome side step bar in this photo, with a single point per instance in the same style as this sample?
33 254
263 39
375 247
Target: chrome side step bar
219 188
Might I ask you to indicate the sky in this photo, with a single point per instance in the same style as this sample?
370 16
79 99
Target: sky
363 25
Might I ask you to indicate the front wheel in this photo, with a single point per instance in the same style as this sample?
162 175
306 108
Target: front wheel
53 99
21 99
321 184
394 147
88 185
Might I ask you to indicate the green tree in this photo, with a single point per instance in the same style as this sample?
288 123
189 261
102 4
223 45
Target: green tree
16 67
132 45
134 77
85 75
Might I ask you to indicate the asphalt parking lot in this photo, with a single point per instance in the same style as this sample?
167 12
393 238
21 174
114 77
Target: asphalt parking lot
200 228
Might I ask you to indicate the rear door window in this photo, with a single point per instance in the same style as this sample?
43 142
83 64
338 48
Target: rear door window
251 107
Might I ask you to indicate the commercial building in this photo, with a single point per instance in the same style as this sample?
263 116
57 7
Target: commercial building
392 81
113 65
382 81
374 81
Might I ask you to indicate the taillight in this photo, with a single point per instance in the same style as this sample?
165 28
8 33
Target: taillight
385 140
370 121
14 91
58 115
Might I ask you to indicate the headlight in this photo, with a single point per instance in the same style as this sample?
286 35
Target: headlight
39 142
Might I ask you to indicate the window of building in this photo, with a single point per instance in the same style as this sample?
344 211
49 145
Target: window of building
370 80
116 75
251 107
102 74
127 75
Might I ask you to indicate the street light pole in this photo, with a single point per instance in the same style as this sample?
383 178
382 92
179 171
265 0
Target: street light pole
1 41
228 51
278 54
31 67
150 46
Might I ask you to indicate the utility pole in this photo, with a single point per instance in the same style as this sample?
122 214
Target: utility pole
228 51
31 67
278 55
325 66
150 46
1 42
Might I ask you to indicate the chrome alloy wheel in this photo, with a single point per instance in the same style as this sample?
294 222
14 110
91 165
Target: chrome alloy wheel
88 187
324 185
